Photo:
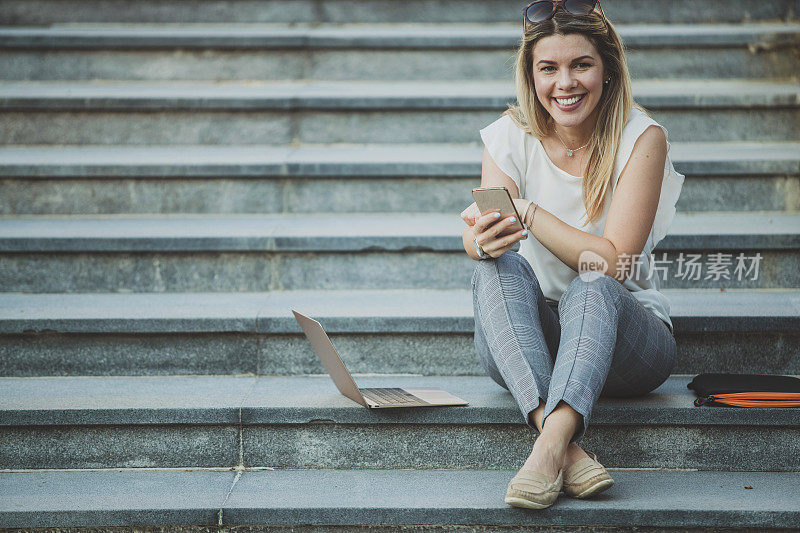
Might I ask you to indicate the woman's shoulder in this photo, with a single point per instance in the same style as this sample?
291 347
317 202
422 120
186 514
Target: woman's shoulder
638 122
508 133
508 125
511 147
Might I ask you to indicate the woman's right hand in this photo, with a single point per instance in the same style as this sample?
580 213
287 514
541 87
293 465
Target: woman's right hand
486 229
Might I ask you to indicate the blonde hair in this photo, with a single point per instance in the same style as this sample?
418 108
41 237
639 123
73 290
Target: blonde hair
614 107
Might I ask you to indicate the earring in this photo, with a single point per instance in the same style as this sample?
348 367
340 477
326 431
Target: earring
608 80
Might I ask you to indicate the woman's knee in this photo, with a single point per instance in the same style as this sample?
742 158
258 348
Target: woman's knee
604 286
510 263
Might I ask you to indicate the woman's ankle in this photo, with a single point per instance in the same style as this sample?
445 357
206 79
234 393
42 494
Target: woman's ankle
575 451
551 447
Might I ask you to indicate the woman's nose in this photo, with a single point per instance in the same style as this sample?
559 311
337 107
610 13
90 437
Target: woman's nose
566 80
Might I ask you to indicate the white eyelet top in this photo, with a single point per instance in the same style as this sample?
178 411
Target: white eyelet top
523 158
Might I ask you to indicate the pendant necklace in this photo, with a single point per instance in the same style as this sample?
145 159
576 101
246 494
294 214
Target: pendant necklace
569 152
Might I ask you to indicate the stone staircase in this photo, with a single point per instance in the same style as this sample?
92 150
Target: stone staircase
175 176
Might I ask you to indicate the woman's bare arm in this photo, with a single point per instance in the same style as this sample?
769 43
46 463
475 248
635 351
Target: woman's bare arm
630 216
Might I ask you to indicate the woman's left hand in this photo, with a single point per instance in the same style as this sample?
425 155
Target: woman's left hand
472 213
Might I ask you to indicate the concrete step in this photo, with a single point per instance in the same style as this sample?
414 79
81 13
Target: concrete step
326 112
304 422
372 52
47 180
425 332
42 12
191 500
180 253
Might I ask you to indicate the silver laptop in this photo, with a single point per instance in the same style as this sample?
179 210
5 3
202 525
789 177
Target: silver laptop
373 398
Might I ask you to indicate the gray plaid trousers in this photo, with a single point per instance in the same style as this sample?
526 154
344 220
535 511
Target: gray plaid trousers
605 342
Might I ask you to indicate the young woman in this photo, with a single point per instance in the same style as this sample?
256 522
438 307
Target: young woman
590 177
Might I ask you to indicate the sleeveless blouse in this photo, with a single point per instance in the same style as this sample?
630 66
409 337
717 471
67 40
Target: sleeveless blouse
523 158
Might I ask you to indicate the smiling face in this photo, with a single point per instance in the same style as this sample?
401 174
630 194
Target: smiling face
568 77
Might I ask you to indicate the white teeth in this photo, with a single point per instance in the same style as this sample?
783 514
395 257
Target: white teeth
569 101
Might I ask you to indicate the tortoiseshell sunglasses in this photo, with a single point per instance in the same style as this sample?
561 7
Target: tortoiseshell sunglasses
542 10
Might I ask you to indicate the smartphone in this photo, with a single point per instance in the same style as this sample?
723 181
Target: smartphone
498 199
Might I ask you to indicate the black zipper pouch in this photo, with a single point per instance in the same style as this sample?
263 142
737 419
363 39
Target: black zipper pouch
746 390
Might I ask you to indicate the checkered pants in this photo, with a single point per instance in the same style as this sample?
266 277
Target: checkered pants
605 343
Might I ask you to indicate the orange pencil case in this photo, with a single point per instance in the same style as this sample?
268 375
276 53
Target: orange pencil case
746 390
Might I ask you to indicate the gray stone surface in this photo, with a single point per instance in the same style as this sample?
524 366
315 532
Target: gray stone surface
43 401
119 446
183 127
778 193
32 127
38 12
720 176
351 311
737 124
143 354
111 195
254 127
384 353
715 63
738 352
364 270
216 64
301 422
365 232
404 178
776 270
370 64
304 422
370 52
304 399
425 36
261 195
347 161
353 251
112 498
204 400
659 499
365 95
449 311
437 528
133 354
236 272
454 354
663 429
679 499
495 445
132 313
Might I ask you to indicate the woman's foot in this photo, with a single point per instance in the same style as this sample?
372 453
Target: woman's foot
548 459
574 453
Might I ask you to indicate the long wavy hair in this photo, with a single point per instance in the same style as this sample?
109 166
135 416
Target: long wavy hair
614 107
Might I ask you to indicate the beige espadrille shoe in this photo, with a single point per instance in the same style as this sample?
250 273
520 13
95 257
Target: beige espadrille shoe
533 490
586 477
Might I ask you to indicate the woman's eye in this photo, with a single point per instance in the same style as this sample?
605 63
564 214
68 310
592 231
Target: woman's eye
584 65
548 69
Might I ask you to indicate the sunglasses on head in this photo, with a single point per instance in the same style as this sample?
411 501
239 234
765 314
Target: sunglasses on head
542 10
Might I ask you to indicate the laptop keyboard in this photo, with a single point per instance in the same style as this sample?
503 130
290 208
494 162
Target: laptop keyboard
392 396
